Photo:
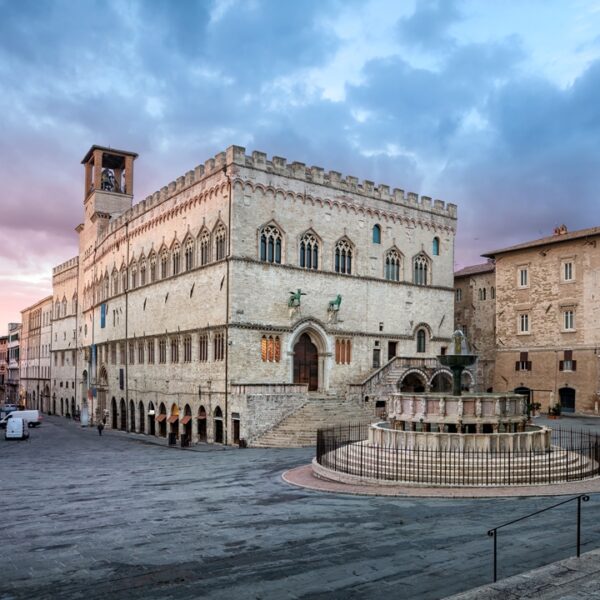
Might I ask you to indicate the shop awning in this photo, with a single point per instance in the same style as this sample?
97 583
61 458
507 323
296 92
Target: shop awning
173 418
186 420
161 418
201 416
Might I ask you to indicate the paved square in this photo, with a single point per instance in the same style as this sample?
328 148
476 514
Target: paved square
114 516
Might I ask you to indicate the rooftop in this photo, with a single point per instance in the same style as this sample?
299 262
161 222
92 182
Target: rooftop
488 267
560 235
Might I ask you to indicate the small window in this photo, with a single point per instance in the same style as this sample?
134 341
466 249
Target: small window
219 346
187 348
523 277
436 246
343 351
459 295
524 323
174 350
376 234
569 320
162 351
376 358
270 348
568 364
150 349
140 352
421 341
493 293
523 364
568 271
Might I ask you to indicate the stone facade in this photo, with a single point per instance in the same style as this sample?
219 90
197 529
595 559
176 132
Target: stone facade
475 316
64 338
185 297
36 341
548 320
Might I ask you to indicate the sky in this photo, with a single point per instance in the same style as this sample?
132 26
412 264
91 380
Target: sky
493 106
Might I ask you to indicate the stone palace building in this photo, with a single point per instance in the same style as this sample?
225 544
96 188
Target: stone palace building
225 302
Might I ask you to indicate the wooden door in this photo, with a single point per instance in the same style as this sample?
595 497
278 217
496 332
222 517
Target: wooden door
306 363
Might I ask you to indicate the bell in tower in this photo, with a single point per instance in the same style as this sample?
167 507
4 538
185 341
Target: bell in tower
108 180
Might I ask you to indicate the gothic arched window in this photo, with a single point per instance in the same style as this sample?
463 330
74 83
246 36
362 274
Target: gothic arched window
393 261
220 242
175 255
115 281
164 264
133 276
204 248
376 234
421 341
142 271
420 270
309 251
343 257
270 244
189 254
152 262
123 279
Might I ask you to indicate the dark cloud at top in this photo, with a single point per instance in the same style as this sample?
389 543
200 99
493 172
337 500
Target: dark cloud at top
428 27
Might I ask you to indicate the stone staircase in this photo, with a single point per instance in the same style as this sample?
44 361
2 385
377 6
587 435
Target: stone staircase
300 428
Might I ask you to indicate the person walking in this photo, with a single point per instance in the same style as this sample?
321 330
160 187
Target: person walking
100 427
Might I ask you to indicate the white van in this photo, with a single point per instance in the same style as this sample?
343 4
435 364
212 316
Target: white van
16 429
33 417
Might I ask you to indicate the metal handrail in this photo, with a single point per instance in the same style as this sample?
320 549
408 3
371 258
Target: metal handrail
493 532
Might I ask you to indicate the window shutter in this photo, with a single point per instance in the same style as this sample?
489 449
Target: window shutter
561 365
574 365
528 365
523 357
568 354
517 366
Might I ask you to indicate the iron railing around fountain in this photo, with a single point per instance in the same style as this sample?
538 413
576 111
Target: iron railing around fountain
574 455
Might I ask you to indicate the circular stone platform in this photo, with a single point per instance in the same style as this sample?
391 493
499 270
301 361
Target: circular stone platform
304 477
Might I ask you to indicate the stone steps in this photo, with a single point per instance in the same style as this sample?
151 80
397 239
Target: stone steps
434 468
300 428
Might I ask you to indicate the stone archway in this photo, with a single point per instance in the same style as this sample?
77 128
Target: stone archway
202 435
113 412
151 419
413 381
306 363
131 416
123 415
162 420
141 417
441 382
218 425
174 420
310 352
187 422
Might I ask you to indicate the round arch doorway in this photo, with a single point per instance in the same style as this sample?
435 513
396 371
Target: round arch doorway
306 363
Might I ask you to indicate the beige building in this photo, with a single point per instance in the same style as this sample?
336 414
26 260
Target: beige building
475 315
548 319
220 304
64 339
36 339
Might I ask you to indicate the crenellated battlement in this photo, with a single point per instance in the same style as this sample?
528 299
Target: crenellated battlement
317 175
236 155
69 264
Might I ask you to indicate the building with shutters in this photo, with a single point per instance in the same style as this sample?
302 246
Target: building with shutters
548 320
220 304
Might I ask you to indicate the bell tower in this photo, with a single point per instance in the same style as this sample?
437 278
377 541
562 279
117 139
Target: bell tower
108 181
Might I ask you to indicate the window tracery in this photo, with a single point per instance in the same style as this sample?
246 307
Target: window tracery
309 251
343 257
270 244
393 263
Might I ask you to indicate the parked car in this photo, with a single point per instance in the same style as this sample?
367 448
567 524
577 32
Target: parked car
33 418
16 429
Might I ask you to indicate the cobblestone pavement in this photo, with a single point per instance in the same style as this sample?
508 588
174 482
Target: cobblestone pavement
115 517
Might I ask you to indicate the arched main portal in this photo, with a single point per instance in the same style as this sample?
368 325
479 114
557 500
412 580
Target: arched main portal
123 410
202 424
131 416
306 362
113 412
567 399
174 420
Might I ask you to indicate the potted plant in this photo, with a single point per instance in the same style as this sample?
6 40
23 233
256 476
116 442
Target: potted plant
555 411
532 408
